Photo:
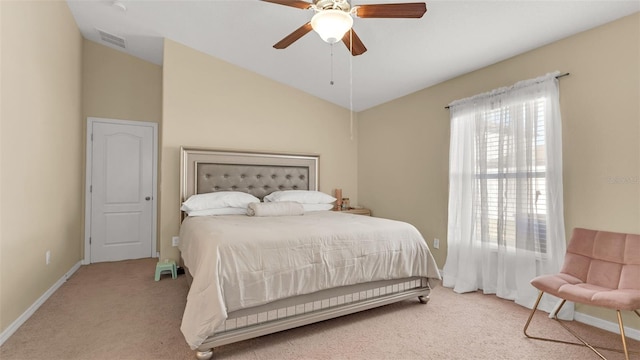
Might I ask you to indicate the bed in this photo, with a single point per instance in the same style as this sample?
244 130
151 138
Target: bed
254 275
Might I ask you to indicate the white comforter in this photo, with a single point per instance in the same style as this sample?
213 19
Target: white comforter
241 261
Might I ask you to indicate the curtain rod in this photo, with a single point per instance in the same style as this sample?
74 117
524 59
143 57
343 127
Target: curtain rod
557 77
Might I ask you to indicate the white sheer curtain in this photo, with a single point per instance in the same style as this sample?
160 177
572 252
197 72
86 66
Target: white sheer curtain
506 223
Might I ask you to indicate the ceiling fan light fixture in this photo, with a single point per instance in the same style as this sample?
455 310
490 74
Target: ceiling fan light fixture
331 25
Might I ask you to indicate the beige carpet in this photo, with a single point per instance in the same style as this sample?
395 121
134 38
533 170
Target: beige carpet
117 311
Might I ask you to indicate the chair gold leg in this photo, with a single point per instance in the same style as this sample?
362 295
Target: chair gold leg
554 316
533 311
624 339
582 342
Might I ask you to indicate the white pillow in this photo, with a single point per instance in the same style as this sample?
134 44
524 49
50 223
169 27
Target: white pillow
221 211
301 196
317 207
218 200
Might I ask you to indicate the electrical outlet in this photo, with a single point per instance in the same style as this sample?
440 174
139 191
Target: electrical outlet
47 257
436 243
175 241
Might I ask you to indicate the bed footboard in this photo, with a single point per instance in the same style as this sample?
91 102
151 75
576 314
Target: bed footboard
246 325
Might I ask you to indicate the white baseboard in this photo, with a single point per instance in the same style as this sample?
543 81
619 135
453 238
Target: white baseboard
6 334
606 325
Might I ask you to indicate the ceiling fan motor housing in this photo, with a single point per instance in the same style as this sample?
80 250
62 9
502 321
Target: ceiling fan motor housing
333 4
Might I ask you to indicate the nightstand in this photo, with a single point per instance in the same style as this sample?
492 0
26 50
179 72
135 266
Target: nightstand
357 211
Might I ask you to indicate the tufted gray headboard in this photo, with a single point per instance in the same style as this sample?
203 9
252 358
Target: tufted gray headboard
205 170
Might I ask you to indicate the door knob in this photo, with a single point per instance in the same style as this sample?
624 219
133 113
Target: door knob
148 198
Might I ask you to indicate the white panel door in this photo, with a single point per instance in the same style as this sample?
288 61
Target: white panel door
121 188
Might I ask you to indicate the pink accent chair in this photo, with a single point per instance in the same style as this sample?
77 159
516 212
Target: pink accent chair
600 269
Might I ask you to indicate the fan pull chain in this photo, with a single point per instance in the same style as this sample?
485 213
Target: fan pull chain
351 84
331 81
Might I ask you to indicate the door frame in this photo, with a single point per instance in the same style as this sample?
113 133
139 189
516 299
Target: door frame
88 182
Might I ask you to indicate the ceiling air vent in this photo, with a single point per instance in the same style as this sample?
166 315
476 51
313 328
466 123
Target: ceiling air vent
112 39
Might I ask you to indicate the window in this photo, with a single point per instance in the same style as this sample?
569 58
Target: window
505 220
503 180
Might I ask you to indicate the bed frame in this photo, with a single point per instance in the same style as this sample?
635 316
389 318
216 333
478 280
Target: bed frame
207 170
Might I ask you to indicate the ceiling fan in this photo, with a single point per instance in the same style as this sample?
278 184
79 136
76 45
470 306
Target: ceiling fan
333 20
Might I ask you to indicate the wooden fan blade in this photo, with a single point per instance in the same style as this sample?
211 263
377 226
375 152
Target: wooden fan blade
291 38
403 10
358 47
293 3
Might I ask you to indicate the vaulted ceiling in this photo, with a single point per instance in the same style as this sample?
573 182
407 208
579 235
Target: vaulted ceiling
403 56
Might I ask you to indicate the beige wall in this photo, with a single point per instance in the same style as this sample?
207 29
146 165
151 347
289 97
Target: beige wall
210 103
116 85
41 151
601 137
